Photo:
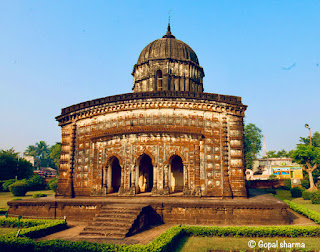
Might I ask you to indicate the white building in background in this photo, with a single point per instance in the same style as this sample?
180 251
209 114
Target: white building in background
282 168
30 159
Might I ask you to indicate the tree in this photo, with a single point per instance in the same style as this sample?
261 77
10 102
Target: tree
315 139
10 153
252 143
271 154
280 154
309 157
55 154
11 166
40 151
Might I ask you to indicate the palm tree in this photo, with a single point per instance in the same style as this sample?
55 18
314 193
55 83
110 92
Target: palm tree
30 151
40 151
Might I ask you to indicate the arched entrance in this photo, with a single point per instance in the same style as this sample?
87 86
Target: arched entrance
176 174
145 180
114 175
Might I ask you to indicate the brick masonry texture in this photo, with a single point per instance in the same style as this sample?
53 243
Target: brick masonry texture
165 137
207 135
259 210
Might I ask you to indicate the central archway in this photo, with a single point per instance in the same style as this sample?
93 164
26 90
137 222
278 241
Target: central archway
176 174
145 174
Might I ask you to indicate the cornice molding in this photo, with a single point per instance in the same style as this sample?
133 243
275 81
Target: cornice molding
153 100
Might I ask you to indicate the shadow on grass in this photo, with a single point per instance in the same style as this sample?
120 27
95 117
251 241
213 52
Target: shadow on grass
179 245
256 192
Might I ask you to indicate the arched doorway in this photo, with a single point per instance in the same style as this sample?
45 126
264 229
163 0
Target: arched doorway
159 80
145 180
176 174
114 175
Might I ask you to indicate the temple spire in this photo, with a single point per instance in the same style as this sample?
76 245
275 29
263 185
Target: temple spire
169 34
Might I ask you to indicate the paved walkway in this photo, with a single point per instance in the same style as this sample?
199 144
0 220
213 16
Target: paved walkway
146 236
72 233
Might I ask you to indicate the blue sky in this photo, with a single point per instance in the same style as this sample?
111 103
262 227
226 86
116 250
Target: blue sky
57 53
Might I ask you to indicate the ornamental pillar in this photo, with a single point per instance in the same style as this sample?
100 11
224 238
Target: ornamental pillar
109 179
166 190
155 175
133 180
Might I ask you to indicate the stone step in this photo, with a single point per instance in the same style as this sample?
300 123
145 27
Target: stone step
93 236
97 234
106 229
119 210
124 205
111 223
116 213
115 216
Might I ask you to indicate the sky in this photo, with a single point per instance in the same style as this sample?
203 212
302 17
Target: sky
54 54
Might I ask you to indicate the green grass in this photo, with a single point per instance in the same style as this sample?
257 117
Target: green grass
306 203
284 194
7 196
198 244
6 230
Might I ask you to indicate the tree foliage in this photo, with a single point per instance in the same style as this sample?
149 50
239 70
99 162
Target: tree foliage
11 165
9 153
280 154
315 139
40 151
309 157
55 154
252 143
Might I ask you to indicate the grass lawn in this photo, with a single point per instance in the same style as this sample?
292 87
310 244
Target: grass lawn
6 230
284 194
198 244
7 196
306 203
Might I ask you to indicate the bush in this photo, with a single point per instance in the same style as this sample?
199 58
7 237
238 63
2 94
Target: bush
287 184
273 177
296 192
306 195
3 211
19 188
36 183
6 184
53 183
305 183
167 241
312 215
1 183
14 199
39 195
315 197
25 223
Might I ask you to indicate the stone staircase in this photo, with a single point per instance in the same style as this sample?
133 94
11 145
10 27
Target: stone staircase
116 221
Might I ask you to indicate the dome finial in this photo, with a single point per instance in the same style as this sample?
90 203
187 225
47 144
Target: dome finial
168 34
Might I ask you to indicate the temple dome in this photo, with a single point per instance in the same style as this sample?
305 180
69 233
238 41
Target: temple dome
168 47
167 64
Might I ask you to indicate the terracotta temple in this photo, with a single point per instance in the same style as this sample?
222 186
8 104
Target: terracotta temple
165 153
167 136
